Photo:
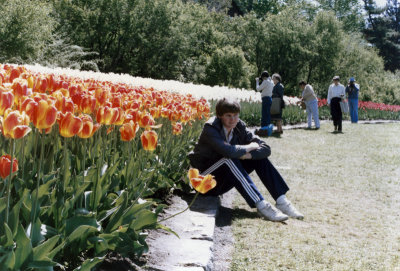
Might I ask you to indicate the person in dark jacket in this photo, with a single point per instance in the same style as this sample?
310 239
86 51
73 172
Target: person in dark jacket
352 90
229 151
277 92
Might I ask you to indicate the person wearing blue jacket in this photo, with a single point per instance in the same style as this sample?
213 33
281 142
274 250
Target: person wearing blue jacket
230 152
352 90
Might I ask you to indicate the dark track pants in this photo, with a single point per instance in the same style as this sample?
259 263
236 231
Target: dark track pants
336 112
231 173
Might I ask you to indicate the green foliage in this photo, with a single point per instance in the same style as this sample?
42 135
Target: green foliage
195 41
227 66
383 31
349 12
88 197
25 28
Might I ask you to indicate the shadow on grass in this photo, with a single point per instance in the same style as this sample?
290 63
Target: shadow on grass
227 215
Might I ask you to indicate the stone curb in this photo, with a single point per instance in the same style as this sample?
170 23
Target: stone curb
192 251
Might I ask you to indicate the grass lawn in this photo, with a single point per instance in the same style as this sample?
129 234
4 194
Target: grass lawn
348 187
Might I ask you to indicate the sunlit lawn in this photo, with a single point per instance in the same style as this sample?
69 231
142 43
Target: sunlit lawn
348 187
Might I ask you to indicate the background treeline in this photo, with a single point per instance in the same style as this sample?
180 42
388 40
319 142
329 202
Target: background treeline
212 42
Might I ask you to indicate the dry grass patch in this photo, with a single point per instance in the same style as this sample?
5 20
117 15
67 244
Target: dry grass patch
348 187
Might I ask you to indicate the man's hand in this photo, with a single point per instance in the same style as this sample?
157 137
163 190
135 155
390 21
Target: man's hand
246 156
252 146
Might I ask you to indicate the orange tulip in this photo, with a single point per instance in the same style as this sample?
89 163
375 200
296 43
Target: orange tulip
102 96
88 127
63 104
121 116
128 131
146 120
15 73
20 87
42 113
200 183
40 84
87 104
69 125
107 115
155 112
149 140
5 165
165 112
177 128
15 124
133 115
6 101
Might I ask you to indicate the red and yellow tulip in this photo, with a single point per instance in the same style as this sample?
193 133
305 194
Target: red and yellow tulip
15 124
200 183
69 125
107 115
177 128
149 140
5 166
128 130
6 100
88 127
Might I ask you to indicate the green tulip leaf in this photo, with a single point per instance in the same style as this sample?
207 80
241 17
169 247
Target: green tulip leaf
41 251
89 264
115 220
143 219
7 239
44 264
163 227
3 204
8 260
81 232
78 221
100 244
45 189
23 252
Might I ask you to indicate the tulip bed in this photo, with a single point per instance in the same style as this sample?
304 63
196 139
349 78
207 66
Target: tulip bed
76 177
293 113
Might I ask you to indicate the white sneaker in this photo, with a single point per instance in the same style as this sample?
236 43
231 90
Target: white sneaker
290 210
269 212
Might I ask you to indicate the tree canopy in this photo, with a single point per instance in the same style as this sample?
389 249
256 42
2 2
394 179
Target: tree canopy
212 42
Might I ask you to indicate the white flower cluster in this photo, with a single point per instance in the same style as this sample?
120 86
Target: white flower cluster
198 91
291 100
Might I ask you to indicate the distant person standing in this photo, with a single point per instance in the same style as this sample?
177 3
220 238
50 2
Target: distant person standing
277 92
311 101
336 93
352 90
265 85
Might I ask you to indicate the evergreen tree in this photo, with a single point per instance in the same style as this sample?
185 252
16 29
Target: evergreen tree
383 31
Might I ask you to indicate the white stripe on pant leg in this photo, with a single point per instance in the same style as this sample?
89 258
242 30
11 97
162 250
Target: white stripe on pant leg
214 167
243 180
235 171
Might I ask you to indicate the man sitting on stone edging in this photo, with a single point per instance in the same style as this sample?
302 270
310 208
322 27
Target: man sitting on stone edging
229 151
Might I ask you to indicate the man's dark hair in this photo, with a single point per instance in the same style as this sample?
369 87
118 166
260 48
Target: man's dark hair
302 83
226 105
264 74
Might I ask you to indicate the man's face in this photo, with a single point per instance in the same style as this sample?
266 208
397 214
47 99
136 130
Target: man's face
229 120
336 82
